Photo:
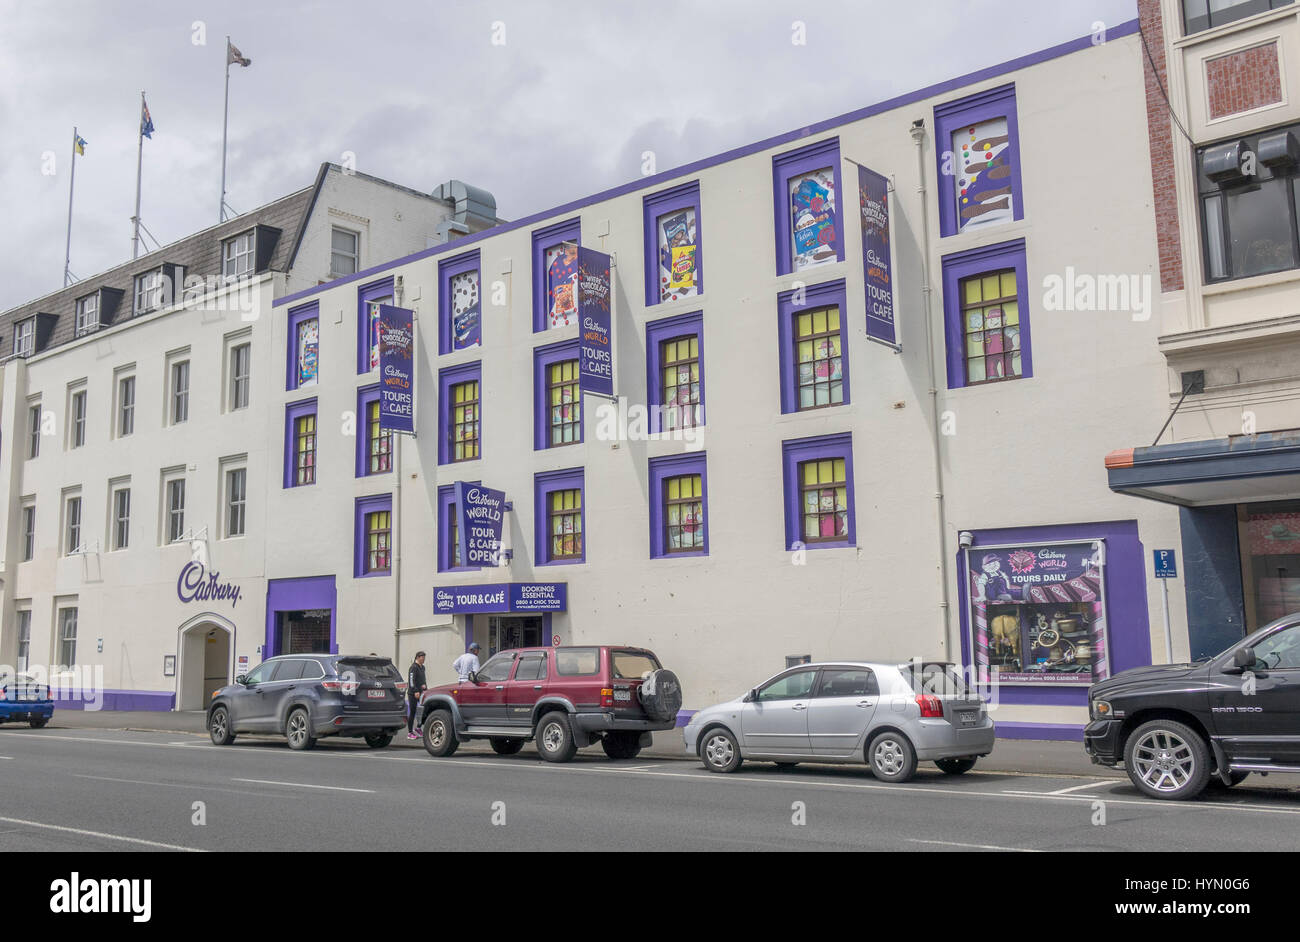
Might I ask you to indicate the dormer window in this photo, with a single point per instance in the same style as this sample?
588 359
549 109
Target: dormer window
87 313
238 255
25 337
148 292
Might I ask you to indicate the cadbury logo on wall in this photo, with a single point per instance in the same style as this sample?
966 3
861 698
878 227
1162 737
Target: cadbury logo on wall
196 584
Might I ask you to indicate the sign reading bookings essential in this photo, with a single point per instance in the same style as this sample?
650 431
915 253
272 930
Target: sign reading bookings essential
480 511
396 369
501 597
595 347
873 200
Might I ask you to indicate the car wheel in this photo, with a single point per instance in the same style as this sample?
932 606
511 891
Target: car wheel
1234 778
298 730
892 757
955 766
378 740
38 722
720 751
505 747
1165 759
621 744
439 734
555 738
219 727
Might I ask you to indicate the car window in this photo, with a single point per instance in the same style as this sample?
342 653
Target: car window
531 667
259 673
631 665
498 668
847 682
789 687
287 670
1279 651
311 670
572 662
368 670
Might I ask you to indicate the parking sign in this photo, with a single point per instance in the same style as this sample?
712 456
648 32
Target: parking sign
1166 564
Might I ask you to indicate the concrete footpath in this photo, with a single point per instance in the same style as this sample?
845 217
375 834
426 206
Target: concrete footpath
1035 757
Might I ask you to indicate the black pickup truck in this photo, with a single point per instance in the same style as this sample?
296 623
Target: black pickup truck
1180 727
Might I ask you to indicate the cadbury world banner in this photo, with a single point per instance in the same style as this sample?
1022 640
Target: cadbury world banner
873 202
595 346
396 369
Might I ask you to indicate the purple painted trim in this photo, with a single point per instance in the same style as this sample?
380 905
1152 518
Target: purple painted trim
982 261
447 270
794 453
365 294
656 332
446 379
292 412
791 164
543 358
1050 732
1127 631
568 231
447 507
654 205
684 717
543 484
125 700
993 103
1081 44
366 396
296 317
823 295
370 505
661 469
300 594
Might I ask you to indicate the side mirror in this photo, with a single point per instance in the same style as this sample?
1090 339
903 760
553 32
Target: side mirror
241 679
752 695
1244 658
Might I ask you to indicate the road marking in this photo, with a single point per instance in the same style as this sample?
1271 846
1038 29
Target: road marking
1019 850
192 785
333 788
109 837
1079 788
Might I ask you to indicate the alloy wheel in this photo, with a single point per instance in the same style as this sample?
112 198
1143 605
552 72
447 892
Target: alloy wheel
718 751
219 725
1164 760
297 728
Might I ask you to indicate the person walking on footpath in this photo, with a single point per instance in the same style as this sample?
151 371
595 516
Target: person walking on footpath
467 662
416 685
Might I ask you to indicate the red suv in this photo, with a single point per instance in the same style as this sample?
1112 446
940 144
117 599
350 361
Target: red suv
565 698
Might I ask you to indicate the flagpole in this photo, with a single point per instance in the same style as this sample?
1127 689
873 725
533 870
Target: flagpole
225 120
72 179
139 167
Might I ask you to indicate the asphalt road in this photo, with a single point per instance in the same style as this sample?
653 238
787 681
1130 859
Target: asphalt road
113 790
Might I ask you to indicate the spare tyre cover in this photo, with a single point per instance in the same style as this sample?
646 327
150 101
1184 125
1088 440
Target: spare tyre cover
661 695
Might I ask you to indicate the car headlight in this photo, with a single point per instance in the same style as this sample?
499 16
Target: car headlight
1103 710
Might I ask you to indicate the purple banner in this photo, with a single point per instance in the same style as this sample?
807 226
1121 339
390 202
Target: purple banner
479 514
396 369
501 597
873 200
595 345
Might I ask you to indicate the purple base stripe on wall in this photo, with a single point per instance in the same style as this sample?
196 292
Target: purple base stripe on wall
1057 732
124 700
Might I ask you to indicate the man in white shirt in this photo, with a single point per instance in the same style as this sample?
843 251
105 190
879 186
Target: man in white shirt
467 662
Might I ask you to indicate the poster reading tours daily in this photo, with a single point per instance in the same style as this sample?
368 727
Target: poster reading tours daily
396 369
1037 613
595 349
479 513
873 198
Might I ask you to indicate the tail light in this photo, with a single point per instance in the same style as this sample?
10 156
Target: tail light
401 687
332 684
607 696
931 706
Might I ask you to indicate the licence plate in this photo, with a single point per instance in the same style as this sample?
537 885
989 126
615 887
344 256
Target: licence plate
968 717
375 694
622 695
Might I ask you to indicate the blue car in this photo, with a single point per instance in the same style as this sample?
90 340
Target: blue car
22 700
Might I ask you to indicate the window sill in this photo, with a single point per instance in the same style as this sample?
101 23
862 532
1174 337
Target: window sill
1250 282
373 575
839 544
691 555
562 562
830 271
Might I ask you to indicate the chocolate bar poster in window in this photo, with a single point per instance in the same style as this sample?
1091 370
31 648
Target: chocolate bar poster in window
396 369
983 186
1038 613
812 218
595 340
466 308
308 352
372 326
561 285
873 202
679 260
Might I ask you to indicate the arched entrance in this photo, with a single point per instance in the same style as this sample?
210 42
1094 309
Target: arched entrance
205 645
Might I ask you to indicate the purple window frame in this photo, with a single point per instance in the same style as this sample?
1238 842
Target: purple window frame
686 196
447 507
366 294
982 261
543 358
367 395
656 332
447 270
822 295
297 316
360 546
994 103
292 413
568 231
448 378
661 469
795 452
302 594
791 164
543 484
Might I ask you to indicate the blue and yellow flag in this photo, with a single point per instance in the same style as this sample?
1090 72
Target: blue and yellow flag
79 144
146 122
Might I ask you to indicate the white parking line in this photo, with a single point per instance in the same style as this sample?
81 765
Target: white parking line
190 785
1018 850
333 788
1079 788
108 837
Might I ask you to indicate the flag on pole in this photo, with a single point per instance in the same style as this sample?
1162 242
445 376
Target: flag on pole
79 144
146 122
233 55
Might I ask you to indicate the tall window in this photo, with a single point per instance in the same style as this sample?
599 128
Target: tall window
33 431
679 360
87 314
148 291
819 358
453 537
121 518
673 268
345 252
565 403
78 419
175 509
125 406
684 514
564 518
240 366
1201 15
24 618
304 438
180 397
807 198
978 155
236 498
237 256
991 320
372 331
308 351
823 492
29 532
379 444
67 637
378 541
72 531
555 275
25 337
465 421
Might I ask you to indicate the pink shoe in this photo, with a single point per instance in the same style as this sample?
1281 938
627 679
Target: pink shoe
412 736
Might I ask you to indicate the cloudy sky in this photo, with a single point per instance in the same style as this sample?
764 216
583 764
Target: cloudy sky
420 93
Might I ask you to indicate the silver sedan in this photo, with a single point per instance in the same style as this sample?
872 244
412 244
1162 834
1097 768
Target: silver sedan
889 716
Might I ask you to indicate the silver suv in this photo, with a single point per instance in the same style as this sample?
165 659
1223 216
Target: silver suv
887 715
